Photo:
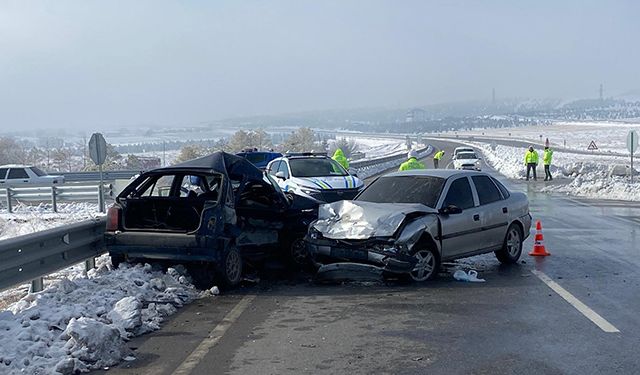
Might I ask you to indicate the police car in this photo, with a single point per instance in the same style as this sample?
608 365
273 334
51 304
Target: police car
314 175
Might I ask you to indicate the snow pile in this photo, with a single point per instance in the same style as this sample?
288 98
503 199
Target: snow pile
28 219
584 175
83 322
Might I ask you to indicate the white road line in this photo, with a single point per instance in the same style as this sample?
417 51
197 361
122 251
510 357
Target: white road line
214 336
573 301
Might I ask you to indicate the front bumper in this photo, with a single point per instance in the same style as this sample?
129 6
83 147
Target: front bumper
333 195
390 259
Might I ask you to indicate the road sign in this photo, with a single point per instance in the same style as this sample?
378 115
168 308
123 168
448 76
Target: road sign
632 141
592 146
97 148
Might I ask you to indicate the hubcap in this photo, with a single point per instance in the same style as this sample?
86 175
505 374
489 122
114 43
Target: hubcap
233 266
425 266
513 242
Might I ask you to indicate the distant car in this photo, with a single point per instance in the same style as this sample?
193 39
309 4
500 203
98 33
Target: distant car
314 175
409 222
259 158
212 214
11 175
467 160
457 150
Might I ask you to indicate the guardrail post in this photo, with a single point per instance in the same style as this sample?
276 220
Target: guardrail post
9 206
89 264
37 285
101 197
54 198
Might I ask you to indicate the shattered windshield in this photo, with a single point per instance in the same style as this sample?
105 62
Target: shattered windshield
404 189
316 167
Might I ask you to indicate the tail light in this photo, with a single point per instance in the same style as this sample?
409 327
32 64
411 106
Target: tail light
113 218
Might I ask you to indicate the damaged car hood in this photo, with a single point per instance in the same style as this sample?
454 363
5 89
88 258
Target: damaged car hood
362 220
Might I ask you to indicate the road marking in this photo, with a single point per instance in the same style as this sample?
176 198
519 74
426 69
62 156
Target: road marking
573 301
213 338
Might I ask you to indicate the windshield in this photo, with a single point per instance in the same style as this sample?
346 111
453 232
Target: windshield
467 155
404 189
458 151
316 167
39 172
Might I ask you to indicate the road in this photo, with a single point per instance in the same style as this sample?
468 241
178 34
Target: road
574 312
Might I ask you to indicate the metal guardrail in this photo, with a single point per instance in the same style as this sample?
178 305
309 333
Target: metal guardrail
67 192
386 159
32 256
95 176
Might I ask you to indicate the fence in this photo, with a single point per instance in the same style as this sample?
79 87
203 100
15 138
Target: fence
68 192
31 256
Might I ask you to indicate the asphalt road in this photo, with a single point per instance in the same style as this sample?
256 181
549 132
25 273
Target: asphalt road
574 312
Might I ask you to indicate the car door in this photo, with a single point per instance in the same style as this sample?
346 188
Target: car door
3 175
461 232
17 176
494 211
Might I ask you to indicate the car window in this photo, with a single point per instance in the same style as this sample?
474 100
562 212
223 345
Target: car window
39 172
503 190
316 167
273 168
161 187
3 173
284 169
404 189
459 194
15 173
466 155
256 157
487 191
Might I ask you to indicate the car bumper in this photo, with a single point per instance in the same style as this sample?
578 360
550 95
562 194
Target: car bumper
334 195
163 246
327 252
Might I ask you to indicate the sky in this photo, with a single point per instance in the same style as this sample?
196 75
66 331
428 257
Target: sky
81 64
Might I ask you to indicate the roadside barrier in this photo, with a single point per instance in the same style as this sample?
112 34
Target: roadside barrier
67 192
538 244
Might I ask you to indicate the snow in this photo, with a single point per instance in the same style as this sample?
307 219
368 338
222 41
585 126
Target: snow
366 172
83 321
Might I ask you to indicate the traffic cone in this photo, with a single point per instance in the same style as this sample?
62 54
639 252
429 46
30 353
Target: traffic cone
538 243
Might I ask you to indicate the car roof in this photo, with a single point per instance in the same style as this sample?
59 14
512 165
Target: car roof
442 173
15 166
463 148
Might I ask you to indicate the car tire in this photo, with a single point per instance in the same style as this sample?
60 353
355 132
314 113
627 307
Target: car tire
427 266
298 253
230 270
116 259
511 246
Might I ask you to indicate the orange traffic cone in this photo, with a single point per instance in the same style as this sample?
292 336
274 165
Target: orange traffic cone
538 243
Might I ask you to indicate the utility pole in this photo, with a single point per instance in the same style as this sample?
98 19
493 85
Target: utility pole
493 96
601 92
164 154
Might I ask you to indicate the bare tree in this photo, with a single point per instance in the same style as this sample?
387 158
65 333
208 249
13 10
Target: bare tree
348 146
301 140
11 152
190 152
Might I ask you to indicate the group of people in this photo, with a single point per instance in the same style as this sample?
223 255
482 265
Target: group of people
531 162
413 162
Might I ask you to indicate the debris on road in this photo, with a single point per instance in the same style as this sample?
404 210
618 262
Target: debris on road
470 276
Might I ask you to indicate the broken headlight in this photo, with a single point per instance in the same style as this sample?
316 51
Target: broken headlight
314 234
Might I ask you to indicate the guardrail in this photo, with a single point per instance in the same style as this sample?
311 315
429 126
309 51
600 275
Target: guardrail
32 256
68 192
386 159
95 176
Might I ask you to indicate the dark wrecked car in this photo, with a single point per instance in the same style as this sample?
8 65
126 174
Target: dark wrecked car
212 214
409 222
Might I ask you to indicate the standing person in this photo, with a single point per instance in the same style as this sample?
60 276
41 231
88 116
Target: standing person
412 162
341 159
547 155
436 158
531 161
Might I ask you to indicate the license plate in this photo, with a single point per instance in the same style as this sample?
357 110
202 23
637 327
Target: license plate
349 253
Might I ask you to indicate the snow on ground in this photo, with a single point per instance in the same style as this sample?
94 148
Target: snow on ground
27 219
366 172
583 175
378 147
83 321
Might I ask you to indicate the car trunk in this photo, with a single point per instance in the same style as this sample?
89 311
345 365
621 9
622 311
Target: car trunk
162 214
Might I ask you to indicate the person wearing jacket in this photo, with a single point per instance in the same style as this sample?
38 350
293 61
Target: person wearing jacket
436 158
412 162
547 155
341 159
531 161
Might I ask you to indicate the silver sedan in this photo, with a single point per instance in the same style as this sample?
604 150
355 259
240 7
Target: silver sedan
409 222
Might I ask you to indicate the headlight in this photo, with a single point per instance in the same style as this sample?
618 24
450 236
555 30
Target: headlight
309 191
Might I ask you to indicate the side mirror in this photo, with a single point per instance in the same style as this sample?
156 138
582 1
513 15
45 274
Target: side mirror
280 175
450 210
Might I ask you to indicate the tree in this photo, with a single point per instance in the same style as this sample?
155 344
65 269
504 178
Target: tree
11 152
301 140
62 159
190 152
134 163
348 146
113 162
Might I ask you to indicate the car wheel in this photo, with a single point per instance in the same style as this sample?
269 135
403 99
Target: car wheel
299 253
427 266
117 259
511 247
231 268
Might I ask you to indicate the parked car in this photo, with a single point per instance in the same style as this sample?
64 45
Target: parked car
409 222
460 149
213 214
11 175
259 158
467 160
314 175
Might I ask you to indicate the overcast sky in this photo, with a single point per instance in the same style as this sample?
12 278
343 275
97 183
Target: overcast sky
101 63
